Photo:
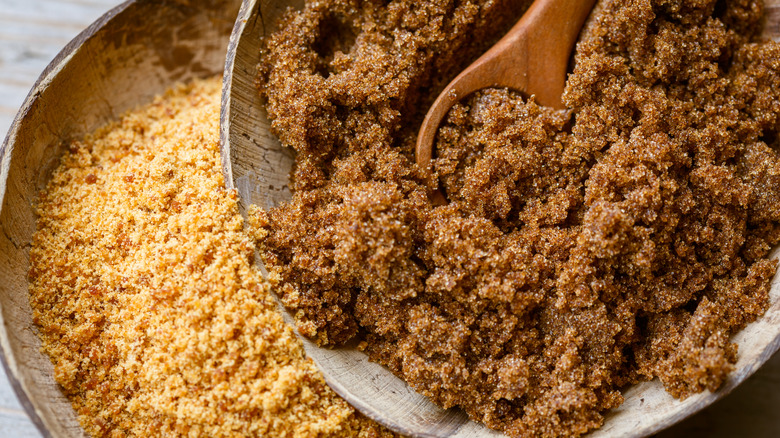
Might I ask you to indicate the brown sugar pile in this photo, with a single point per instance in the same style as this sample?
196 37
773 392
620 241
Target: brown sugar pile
581 251
144 289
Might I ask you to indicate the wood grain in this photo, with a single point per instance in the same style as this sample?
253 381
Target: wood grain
31 34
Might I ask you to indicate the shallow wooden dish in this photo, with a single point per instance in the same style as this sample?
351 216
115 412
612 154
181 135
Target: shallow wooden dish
258 166
123 60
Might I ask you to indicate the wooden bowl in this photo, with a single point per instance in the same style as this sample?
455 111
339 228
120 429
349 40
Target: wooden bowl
123 60
257 165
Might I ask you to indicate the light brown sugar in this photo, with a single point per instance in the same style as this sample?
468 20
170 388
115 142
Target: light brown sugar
147 299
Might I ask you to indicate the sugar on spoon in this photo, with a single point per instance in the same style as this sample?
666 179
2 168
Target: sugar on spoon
533 58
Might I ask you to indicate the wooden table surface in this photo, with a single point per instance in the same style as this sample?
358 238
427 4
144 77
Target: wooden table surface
31 34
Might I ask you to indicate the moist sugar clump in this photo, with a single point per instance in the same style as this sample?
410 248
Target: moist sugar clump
580 251
145 293
350 113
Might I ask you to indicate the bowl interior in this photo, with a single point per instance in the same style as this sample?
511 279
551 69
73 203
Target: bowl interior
123 60
255 164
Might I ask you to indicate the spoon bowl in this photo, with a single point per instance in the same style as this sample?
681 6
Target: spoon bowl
533 58
258 167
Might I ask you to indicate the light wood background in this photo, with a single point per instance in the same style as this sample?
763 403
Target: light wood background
31 34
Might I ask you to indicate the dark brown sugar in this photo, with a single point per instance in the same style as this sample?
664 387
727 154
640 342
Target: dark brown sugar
581 251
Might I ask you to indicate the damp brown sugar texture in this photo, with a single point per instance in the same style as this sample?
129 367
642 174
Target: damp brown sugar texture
146 295
580 251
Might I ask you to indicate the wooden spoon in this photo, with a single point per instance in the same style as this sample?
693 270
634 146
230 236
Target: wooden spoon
533 58
258 167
